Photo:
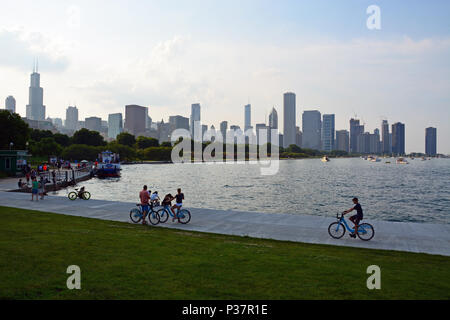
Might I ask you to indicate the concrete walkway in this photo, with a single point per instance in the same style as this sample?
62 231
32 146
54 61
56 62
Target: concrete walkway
412 237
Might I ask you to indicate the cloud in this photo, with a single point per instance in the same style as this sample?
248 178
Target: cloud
18 49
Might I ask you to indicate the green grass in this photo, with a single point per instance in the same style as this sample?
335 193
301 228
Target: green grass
124 261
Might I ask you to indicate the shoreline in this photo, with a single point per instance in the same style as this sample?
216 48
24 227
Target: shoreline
397 236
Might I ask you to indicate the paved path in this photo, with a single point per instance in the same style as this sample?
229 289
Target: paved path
412 237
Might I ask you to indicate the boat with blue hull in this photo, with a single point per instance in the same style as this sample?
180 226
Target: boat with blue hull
109 165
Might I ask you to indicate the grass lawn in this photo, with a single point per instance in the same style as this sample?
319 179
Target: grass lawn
124 261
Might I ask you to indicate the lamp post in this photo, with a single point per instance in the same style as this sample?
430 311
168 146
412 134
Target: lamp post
26 145
11 144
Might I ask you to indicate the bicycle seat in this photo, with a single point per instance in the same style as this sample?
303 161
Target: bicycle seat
76 189
138 204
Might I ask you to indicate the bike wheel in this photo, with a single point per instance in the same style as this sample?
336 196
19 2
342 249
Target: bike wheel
365 231
163 215
153 217
86 195
336 230
184 216
72 195
135 215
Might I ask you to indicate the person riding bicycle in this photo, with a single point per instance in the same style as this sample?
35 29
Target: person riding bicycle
154 198
144 197
179 202
357 217
80 193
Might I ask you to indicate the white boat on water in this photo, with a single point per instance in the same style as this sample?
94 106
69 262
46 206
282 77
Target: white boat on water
325 159
375 159
401 161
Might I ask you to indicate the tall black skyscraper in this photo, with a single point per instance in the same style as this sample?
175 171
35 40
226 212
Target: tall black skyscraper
35 107
430 141
398 138
355 130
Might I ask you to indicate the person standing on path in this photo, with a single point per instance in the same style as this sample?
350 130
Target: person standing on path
34 189
144 197
42 187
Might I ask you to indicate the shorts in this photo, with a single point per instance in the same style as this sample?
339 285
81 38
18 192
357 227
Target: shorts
179 205
34 191
356 218
145 207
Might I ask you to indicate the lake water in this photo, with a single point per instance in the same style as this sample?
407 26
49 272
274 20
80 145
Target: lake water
417 192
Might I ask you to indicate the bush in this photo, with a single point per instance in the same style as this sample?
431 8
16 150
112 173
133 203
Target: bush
144 142
81 152
158 153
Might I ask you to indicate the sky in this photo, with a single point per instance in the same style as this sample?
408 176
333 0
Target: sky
103 55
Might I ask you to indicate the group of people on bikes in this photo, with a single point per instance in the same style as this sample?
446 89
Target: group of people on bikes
149 199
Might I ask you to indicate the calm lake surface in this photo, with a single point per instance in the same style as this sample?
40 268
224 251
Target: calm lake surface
417 192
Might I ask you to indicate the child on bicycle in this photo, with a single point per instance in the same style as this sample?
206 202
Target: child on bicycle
179 202
357 217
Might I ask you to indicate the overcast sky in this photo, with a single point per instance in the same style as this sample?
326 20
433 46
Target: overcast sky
102 55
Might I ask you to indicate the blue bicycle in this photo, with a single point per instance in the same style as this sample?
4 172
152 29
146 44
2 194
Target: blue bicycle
337 229
136 215
183 215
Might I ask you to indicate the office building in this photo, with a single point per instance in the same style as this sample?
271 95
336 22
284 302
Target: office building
289 122
35 109
328 132
312 129
386 147
248 117
223 130
71 118
298 137
355 130
398 138
115 125
430 141
262 133
135 118
93 124
178 122
195 118
10 104
342 140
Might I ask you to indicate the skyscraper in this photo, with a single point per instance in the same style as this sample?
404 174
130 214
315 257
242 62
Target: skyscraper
10 104
223 130
398 138
312 128
71 118
35 108
248 117
289 123
135 117
355 130
195 117
298 137
342 140
115 126
93 123
385 138
178 122
273 119
430 141
328 132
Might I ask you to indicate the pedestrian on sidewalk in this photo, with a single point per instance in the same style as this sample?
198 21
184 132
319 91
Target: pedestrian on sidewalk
42 187
34 189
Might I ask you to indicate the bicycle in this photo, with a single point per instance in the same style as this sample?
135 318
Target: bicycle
136 215
82 194
337 229
183 215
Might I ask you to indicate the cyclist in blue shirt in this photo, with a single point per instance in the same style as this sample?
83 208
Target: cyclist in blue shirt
357 217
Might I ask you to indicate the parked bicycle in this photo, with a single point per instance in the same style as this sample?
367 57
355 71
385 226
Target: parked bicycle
183 215
79 193
337 229
136 215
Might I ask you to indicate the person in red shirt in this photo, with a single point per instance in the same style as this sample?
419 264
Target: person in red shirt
145 198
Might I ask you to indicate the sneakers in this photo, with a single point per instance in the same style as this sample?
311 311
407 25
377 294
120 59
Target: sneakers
352 235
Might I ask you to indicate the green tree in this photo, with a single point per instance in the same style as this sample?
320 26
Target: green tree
46 147
62 139
81 152
144 142
126 139
13 129
88 137
125 152
293 148
37 135
166 144
158 153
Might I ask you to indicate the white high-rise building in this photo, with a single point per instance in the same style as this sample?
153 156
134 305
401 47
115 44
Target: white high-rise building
10 104
289 123
115 125
71 118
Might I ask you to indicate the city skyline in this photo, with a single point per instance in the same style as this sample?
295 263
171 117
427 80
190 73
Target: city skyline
345 72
